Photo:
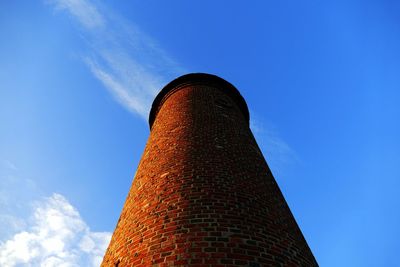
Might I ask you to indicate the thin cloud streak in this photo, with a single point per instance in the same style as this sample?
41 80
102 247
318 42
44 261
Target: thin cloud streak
130 64
277 152
119 91
85 12
10 165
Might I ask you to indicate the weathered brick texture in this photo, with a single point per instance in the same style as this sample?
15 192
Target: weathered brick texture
203 194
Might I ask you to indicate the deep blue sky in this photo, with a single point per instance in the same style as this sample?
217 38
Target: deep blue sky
321 79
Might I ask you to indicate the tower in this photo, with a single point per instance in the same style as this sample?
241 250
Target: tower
203 194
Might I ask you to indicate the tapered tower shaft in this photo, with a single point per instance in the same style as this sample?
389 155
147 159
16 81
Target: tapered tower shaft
203 194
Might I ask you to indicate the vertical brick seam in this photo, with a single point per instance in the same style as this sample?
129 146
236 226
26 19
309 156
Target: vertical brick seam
203 194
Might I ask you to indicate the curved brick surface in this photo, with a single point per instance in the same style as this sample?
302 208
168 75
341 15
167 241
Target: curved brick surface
203 194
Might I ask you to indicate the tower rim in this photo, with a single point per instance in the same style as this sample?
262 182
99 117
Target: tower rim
203 79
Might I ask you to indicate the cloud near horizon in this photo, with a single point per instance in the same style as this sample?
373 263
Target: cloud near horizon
57 236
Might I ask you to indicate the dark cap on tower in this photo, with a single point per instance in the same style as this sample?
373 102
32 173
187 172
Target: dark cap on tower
201 79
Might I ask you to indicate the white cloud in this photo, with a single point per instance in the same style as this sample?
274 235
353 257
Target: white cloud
57 237
130 64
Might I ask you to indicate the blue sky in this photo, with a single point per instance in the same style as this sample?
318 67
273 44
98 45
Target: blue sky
321 79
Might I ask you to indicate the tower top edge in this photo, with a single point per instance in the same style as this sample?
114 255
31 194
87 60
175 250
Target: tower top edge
202 79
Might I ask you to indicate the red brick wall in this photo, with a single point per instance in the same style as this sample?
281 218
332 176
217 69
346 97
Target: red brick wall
203 194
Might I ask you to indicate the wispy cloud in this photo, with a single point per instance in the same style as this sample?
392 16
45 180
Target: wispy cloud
8 164
57 236
129 63
277 152
84 11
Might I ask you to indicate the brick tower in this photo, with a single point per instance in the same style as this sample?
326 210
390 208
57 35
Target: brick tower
203 194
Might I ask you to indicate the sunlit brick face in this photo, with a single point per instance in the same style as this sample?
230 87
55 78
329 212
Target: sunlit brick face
203 194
